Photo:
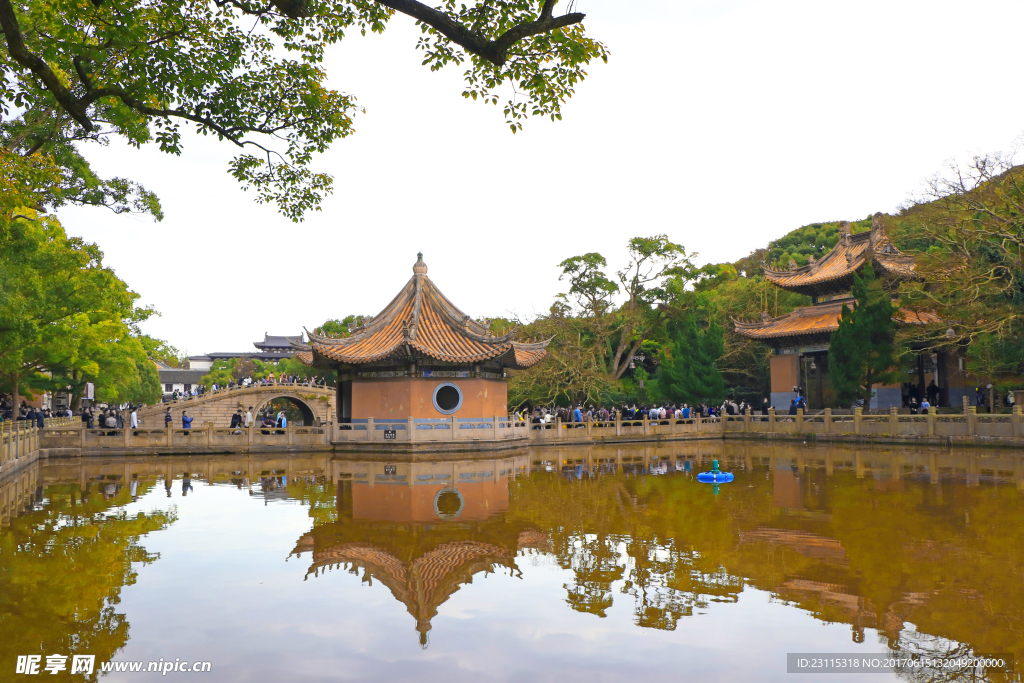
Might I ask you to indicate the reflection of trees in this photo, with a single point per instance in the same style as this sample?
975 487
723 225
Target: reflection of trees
319 493
62 568
595 562
667 583
641 531
919 646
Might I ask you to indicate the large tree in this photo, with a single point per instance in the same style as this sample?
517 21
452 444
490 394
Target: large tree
862 352
654 280
65 318
688 368
249 72
967 232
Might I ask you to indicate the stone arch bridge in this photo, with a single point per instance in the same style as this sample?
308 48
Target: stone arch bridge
315 403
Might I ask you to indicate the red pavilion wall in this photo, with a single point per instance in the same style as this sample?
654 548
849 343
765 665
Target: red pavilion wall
402 397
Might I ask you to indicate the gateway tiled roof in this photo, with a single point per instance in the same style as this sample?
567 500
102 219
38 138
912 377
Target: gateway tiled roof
276 342
820 319
422 322
838 266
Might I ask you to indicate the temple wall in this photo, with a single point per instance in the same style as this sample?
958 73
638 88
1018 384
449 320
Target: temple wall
785 372
402 397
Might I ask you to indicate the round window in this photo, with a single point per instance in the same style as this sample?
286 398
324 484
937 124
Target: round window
448 503
447 398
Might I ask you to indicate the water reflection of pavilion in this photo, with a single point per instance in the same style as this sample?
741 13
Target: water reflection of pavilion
422 529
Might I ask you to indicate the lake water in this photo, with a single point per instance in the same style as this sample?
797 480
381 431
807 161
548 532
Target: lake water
586 564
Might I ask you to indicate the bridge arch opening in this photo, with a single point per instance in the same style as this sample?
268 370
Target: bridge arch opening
297 411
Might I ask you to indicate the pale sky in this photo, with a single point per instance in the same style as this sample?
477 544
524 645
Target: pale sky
723 124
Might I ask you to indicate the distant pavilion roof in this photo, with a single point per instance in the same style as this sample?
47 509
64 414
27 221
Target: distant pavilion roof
822 319
421 322
834 272
277 342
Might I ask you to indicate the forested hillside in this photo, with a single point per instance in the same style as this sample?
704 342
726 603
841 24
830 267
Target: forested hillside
966 232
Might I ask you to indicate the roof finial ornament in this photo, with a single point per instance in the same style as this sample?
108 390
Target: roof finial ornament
844 232
420 268
765 317
792 265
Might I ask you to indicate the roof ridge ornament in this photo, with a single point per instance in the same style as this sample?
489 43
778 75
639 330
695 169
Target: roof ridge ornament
419 268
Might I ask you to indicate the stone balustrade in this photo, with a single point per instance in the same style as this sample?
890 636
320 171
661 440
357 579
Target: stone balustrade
503 432
19 440
966 428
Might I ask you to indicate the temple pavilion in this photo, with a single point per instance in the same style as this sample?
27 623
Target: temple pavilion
421 358
800 339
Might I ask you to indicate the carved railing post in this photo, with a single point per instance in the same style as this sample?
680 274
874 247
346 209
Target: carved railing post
972 421
828 421
858 415
894 421
1015 420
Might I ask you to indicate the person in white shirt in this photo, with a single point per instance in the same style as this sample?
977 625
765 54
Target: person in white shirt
248 417
134 419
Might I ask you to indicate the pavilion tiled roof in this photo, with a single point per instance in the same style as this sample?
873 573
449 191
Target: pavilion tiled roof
819 319
835 270
422 322
428 580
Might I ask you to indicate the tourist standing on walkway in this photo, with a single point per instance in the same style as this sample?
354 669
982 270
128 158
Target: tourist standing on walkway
134 420
186 421
248 417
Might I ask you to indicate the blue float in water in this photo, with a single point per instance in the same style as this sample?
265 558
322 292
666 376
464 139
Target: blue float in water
715 476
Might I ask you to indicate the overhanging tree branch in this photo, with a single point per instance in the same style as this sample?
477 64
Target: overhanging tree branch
21 54
494 51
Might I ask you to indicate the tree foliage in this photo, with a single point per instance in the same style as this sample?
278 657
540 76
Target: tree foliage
66 319
967 232
689 371
862 353
251 74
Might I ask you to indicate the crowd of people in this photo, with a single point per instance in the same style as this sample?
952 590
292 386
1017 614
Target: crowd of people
239 420
668 411
25 412
110 418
